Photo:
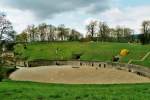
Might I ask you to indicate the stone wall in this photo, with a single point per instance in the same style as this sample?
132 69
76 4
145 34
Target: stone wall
74 63
140 70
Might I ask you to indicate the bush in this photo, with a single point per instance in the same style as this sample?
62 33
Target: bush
88 39
1 77
5 71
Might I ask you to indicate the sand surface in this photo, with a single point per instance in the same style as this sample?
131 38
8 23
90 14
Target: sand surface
82 75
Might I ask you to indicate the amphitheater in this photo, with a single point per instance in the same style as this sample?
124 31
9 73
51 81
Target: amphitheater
81 72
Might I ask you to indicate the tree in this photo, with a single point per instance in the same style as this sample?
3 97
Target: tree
146 32
119 33
6 29
62 33
91 28
42 31
31 31
7 34
103 31
128 34
51 30
124 34
23 37
75 35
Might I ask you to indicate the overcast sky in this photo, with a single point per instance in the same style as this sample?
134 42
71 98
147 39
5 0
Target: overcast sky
76 13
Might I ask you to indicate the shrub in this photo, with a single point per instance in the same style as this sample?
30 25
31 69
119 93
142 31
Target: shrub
1 77
5 71
88 39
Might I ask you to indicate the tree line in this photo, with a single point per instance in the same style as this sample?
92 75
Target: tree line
96 31
102 32
44 32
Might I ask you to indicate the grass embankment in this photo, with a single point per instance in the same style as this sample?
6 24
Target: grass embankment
146 62
91 51
11 90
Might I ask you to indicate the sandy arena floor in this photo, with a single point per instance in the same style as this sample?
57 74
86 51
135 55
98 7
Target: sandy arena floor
69 75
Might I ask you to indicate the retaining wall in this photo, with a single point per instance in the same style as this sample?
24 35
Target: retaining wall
140 70
74 63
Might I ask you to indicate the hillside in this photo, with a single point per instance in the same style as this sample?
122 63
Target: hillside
93 51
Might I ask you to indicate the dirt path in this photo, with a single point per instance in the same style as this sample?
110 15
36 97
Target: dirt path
69 75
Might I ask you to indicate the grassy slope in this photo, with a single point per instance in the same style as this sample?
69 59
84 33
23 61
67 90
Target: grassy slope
39 91
144 63
91 51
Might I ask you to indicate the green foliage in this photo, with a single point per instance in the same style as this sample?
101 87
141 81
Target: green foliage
21 37
1 74
5 71
19 51
94 51
11 90
1 77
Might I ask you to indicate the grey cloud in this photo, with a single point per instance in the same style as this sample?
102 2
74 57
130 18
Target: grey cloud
49 8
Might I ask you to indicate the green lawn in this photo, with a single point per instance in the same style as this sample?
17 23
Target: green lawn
11 90
91 51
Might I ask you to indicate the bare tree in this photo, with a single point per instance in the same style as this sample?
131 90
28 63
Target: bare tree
128 34
6 29
119 33
91 28
124 33
74 35
146 31
103 31
42 30
51 31
31 31
62 33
